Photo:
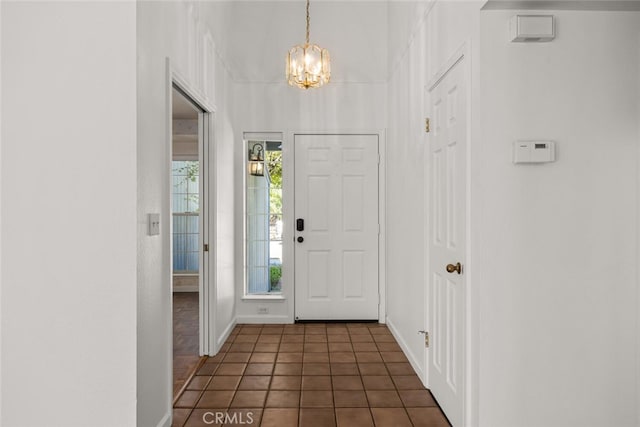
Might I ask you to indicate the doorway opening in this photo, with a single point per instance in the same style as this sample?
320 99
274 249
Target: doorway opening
186 194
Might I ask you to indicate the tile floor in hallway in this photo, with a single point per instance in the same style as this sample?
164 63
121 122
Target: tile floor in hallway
307 375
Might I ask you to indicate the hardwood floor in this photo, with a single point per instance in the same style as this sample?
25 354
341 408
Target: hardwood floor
185 337
308 375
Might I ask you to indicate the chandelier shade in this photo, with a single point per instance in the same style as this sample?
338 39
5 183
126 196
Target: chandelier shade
308 65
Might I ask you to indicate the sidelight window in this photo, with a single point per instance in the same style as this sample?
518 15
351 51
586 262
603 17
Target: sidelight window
264 217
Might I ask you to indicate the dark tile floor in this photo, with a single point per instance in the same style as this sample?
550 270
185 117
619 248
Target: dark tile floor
185 337
345 375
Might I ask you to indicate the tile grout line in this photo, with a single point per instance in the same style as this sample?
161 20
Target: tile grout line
325 340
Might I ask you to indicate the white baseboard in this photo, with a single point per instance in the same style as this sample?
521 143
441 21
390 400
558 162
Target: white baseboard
166 420
225 334
266 318
405 348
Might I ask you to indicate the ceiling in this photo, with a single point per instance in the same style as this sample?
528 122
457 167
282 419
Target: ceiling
181 108
364 37
185 127
253 37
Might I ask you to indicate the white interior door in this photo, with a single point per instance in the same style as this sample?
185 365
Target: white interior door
336 247
447 235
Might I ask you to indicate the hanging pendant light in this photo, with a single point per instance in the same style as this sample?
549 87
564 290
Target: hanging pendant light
308 65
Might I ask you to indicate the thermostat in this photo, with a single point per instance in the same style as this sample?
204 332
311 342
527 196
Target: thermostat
534 151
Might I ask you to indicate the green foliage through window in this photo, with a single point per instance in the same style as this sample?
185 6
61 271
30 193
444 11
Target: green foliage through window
275 273
274 166
186 176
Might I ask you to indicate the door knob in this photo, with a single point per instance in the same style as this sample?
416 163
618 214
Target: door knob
300 239
457 267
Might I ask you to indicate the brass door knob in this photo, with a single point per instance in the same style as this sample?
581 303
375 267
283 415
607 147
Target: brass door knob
457 267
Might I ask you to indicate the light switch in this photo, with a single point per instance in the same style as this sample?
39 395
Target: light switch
153 223
534 152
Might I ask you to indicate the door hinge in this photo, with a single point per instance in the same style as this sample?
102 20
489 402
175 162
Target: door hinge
426 338
427 125
205 247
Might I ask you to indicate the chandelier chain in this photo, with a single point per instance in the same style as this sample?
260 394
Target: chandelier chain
308 19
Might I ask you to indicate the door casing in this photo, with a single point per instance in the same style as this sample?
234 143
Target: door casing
207 217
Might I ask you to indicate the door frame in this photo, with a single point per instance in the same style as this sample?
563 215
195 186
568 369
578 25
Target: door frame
289 211
207 218
462 57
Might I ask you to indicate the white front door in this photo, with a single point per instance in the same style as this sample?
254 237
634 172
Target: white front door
336 227
447 235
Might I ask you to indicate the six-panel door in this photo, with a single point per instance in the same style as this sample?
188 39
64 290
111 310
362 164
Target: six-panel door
447 245
336 255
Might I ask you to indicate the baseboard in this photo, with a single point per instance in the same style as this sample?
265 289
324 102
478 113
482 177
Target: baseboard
188 288
405 348
166 420
225 334
185 283
268 318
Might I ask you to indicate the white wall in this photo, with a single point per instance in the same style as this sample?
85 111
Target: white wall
405 186
178 31
553 248
558 246
68 214
433 32
216 15
1 281
638 284
279 107
226 215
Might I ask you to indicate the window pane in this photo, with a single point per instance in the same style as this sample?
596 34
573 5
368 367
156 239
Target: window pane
193 186
192 224
264 217
193 203
185 204
192 261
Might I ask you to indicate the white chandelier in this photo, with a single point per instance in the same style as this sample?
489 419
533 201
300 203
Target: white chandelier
308 65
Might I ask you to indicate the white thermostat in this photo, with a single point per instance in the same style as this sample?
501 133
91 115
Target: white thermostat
534 151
